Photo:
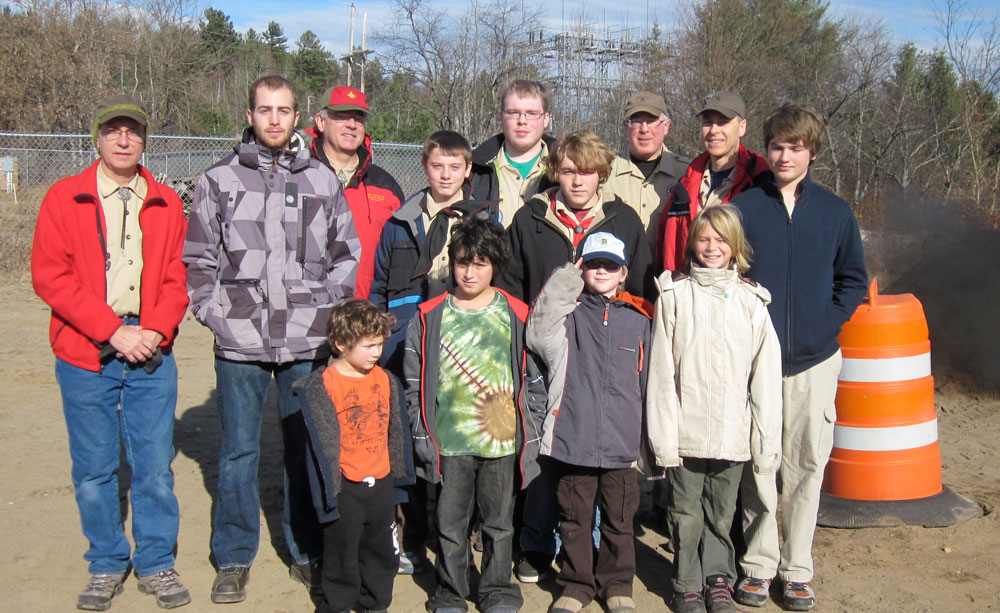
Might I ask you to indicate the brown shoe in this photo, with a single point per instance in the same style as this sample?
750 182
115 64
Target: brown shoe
231 584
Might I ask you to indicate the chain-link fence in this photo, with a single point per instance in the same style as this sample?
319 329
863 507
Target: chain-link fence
32 162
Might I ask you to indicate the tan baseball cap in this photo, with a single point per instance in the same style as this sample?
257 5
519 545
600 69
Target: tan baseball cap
645 102
728 103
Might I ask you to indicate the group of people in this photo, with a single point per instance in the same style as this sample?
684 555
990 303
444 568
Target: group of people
492 360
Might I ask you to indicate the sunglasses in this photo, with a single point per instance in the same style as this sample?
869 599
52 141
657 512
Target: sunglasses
605 264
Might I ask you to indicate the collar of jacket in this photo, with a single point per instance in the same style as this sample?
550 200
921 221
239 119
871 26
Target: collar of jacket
252 155
716 277
622 300
771 188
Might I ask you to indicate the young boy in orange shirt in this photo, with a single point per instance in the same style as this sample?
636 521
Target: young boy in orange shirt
359 449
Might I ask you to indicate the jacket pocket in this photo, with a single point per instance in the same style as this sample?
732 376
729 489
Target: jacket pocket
402 264
313 229
240 314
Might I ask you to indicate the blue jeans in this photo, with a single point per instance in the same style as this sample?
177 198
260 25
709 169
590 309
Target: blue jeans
242 392
97 431
488 482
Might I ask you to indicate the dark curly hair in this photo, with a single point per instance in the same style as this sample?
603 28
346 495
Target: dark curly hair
480 237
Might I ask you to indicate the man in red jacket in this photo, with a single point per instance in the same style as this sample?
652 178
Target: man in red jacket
725 169
340 142
107 258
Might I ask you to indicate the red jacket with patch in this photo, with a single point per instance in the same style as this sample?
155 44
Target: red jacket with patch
68 266
685 201
373 195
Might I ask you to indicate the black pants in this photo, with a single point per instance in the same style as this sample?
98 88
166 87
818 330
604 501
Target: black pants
359 555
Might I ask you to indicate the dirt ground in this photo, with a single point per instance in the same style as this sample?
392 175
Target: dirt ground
903 568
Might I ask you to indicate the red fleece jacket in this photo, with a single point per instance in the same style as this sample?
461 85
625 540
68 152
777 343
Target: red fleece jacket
68 266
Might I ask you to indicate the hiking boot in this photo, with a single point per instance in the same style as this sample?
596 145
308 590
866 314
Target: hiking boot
99 592
566 604
231 584
688 602
167 588
752 592
799 596
718 595
309 575
533 567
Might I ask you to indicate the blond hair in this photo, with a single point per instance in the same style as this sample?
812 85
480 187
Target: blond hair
583 148
523 88
725 219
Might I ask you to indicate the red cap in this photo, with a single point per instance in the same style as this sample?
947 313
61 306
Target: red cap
345 99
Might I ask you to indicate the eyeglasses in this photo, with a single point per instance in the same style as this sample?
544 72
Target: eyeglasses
113 134
649 124
529 115
605 264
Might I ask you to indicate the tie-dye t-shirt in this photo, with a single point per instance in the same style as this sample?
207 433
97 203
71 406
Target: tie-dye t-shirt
476 414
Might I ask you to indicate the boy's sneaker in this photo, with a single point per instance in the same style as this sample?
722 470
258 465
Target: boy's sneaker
533 567
99 592
166 587
799 596
688 602
752 592
718 595
410 562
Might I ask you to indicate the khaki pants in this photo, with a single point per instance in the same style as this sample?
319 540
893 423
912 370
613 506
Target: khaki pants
809 413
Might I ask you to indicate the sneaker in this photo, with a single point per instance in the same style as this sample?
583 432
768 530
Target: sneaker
752 592
718 595
799 596
533 567
167 588
410 562
309 575
566 604
99 592
688 602
231 584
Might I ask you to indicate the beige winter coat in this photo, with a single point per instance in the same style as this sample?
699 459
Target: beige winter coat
715 372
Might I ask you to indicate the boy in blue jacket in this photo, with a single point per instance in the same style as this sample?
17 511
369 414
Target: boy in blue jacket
359 449
807 252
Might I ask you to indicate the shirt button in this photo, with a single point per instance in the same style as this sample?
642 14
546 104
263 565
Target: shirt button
130 262
128 237
131 288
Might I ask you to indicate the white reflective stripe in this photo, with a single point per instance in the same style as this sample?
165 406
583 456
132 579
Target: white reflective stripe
889 369
885 439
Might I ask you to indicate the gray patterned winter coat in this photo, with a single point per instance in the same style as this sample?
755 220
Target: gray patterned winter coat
270 248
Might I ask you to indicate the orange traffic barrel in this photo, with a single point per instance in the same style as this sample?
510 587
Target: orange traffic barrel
885 439
885 467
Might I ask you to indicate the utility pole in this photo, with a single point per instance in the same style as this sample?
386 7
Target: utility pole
359 56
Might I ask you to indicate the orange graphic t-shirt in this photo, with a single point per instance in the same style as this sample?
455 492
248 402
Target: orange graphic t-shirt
363 408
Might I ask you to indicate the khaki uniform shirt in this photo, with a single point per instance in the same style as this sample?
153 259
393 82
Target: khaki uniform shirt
710 197
440 272
347 173
123 237
645 196
513 188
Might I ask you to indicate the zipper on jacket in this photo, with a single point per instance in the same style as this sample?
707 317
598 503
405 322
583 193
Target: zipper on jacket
254 283
607 307
788 301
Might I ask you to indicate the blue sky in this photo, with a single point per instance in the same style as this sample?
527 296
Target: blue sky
330 20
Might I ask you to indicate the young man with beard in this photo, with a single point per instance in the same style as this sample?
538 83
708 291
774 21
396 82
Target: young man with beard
270 249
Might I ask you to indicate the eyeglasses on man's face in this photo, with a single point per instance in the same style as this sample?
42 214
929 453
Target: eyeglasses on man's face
112 134
529 115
